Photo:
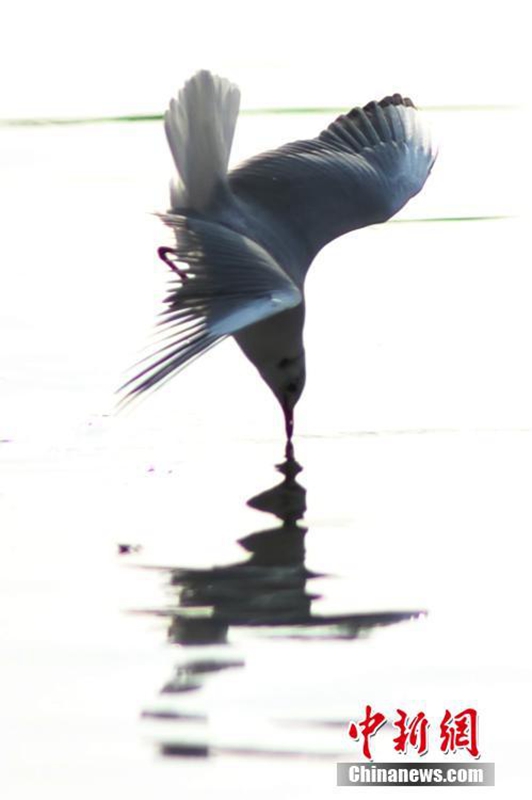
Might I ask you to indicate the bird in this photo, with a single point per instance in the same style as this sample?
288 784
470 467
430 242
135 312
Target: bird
244 239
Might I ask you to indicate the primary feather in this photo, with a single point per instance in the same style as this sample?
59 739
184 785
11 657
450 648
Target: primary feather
361 170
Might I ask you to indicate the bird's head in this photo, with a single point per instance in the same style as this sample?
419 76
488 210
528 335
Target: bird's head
286 379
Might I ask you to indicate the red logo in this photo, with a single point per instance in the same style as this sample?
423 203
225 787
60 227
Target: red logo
412 732
460 732
368 728
457 732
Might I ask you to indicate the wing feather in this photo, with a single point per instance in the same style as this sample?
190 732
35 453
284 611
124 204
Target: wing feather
223 282
361 170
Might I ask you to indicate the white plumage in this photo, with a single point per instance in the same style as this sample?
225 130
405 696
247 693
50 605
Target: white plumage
200 125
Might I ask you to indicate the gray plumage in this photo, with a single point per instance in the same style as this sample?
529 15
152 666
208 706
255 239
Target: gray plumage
244 240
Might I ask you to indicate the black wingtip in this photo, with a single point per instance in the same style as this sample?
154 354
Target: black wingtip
390 100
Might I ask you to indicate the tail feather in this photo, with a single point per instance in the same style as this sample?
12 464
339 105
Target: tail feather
199 126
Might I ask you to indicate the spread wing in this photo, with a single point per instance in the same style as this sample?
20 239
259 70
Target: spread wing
361 170
222 282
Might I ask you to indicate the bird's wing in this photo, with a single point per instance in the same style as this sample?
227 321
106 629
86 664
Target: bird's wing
361 170
223 282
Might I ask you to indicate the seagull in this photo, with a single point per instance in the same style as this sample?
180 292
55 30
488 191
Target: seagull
245 238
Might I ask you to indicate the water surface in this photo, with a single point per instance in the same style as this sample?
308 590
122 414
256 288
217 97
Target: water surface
391 569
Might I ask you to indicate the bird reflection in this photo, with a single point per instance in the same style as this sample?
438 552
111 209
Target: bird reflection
269 588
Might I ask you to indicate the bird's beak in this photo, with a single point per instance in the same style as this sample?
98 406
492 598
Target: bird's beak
289 428
288 420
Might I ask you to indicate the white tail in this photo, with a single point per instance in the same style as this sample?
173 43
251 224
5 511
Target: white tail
199 126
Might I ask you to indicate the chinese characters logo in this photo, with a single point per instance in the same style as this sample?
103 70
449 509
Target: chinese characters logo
456 731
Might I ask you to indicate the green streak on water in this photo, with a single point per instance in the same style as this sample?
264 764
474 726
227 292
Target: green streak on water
331 110
30 123
488 217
